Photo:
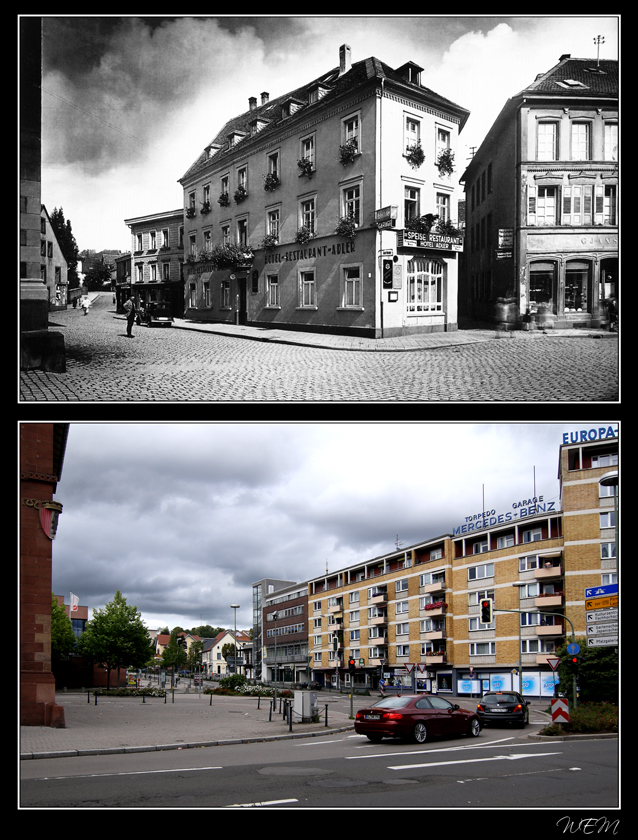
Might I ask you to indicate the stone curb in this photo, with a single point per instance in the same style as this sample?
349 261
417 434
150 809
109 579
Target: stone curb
185 746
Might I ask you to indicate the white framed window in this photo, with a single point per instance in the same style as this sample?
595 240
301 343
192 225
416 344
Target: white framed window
527 563
533 535
611 141
480 547
580 141
412 132
165 238
355 635
505 541
443 206
478 572
242 177
153 267
308 212
307 149
224 294
273 164
442 140
607 550
206 192
375 632
411 203
482 648
546 140
206 293
351 202
354 615
608 519
542 205
192 296
610 459
530 619
192 244
351 130
429 578
152 240
138 238
474 598
436 553
402 607
317 657
208 240
403 629
354 597
224 184
272 221
225 233
401 585
242 232
606 580
529 590
307 289
424 293
403 650
272 291
317 641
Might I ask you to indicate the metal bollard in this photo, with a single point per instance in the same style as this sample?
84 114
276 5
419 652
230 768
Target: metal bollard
326 714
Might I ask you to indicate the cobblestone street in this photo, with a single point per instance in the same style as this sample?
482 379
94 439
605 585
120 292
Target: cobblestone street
180 365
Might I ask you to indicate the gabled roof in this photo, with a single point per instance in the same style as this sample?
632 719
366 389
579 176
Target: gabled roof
577 77
361 73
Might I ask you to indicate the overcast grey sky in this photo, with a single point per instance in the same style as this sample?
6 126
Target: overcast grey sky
184 518
129 103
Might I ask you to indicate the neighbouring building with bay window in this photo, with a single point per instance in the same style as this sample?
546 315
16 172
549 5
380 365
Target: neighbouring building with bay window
542 202
330 208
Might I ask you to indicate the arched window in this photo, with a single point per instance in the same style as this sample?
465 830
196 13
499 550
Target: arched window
425 286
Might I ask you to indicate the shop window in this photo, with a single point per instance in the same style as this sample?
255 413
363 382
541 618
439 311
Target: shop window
541 284
424 286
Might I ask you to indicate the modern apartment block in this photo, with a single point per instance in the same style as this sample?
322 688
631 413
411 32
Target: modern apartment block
414 616
542 202
303 212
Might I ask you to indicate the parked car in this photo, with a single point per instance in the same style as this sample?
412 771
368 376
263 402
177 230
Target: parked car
506 706
415 716
313 686
156 312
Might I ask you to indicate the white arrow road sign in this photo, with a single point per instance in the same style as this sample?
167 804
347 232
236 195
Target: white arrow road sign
513 757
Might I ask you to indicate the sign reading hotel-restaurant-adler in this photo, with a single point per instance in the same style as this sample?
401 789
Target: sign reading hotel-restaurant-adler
438 241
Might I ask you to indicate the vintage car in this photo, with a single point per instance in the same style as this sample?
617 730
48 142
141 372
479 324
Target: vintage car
156 313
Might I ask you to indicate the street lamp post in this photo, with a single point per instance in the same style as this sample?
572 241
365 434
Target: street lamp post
235 607
275 617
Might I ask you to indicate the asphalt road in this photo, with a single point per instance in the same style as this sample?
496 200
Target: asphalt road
179 365
497 770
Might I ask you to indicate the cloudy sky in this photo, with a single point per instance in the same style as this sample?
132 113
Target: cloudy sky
129 103
184 518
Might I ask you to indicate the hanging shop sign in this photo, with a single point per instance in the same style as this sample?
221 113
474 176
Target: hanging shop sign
386 217
436 241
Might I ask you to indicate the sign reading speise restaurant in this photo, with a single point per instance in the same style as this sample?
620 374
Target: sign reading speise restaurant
436 241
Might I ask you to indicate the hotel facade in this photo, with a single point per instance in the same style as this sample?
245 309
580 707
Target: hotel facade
300 213
414 615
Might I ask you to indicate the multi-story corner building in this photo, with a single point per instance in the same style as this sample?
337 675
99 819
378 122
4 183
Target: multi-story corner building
261 590
542 202
157 259
414 614
285 636
297 212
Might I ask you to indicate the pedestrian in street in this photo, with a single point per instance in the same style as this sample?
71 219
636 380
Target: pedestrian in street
85 305
613 314
129 308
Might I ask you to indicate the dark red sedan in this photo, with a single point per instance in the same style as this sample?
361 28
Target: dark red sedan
415 716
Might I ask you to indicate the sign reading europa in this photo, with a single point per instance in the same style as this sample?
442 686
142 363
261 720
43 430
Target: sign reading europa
602 433
526 507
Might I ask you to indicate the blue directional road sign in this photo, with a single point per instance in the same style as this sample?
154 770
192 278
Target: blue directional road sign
595 591
573 649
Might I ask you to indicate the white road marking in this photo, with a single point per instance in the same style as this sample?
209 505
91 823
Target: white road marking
470 761
261 804
443 749
133 773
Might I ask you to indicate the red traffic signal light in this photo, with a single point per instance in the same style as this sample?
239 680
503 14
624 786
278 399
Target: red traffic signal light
351 665
487 611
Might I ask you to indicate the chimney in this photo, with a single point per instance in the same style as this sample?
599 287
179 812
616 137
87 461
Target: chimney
565 55
344 59
265 97
252 102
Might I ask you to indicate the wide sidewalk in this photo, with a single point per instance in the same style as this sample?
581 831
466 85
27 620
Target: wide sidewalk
127 724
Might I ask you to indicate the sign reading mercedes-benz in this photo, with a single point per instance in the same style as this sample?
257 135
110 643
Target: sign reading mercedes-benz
437 241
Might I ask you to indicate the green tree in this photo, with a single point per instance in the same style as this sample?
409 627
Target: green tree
174 655
116 637
195 655
597 677
62 636
68 245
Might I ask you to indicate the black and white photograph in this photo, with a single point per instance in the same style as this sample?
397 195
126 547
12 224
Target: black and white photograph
314 209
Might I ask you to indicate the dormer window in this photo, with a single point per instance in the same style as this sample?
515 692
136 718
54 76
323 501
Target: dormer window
234 137
291 106
317 92
571 84
411 72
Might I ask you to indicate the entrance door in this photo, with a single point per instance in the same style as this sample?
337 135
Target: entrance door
241 291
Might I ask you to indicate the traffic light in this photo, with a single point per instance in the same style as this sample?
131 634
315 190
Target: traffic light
573 661
351 665
388 267
487 607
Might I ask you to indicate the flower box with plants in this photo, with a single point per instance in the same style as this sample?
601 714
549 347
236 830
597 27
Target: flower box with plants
241 193
348 151
304 234
347 227
306 167
445 162
230 256
205 208
190 212
271 182
223 200
270 241
415 155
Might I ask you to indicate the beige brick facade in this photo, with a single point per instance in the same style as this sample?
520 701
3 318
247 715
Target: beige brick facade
418 609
